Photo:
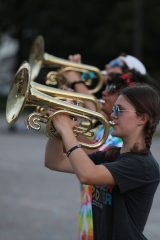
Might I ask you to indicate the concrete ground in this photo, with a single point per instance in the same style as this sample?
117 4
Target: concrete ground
36 203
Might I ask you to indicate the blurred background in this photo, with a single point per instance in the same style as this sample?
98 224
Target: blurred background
99 30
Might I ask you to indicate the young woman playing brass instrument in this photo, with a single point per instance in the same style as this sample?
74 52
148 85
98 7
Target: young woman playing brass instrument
124 179
120 72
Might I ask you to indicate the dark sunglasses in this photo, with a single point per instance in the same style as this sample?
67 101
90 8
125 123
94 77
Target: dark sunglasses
117 111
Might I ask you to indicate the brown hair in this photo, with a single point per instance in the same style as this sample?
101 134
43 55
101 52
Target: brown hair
145 99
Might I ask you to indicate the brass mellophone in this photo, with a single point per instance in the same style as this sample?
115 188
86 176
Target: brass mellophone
39 58
25 92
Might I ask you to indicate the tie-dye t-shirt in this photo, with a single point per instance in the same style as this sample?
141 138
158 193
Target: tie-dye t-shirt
85 212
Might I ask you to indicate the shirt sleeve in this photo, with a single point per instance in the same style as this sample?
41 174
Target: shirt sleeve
98 157
129 172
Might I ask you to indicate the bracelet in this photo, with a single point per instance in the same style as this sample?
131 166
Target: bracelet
72 85
72 149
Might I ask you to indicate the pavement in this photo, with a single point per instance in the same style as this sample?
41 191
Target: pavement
36 203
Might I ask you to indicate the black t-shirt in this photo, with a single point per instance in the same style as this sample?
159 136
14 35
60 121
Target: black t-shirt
121 212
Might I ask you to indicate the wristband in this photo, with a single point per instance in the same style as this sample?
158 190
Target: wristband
72 149
72 85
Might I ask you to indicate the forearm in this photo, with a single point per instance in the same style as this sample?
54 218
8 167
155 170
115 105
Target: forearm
55 159
88 141
75 82
82 165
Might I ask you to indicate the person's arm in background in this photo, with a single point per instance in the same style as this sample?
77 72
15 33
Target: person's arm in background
75 77
72 77
80 87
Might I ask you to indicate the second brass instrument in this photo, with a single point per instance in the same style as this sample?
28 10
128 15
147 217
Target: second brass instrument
39 58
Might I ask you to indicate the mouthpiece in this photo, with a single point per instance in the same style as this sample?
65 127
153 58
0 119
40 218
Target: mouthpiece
101 101
103 72
111 123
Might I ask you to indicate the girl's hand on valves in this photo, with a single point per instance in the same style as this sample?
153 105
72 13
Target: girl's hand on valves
63 123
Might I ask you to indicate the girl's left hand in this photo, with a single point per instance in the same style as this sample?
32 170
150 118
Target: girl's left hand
62 123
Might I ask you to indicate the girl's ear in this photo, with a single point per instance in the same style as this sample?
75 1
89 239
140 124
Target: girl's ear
143 119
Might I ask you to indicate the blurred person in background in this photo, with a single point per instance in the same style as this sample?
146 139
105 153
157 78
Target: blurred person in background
121 64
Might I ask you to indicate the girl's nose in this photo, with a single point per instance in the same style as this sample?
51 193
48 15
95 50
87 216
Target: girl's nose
113 116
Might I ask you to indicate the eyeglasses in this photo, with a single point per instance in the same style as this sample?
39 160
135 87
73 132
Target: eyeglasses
117 111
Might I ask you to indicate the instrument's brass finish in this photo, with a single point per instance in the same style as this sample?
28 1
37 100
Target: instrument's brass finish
39 58
24 92
68 95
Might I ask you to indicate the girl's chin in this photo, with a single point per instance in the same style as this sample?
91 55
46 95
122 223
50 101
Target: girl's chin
115 134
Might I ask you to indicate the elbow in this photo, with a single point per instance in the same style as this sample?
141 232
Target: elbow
87 176
84 179
48 165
